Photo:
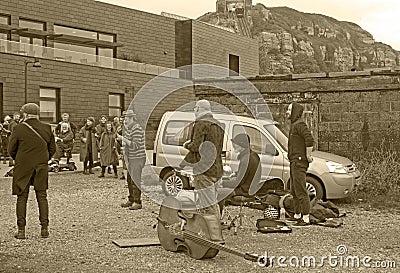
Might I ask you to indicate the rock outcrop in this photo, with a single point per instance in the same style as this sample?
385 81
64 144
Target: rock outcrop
296 42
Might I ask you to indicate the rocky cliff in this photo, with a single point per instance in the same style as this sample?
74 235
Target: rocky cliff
296 42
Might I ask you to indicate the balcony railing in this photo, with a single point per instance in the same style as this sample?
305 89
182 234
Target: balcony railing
86 59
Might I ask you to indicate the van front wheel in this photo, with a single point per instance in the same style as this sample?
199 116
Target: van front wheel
174 183
314 187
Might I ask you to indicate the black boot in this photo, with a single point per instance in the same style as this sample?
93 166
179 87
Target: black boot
103 169
20 234
44 232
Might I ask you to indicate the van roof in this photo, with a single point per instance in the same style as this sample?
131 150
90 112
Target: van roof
177 115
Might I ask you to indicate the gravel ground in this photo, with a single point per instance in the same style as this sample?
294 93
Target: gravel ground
85 217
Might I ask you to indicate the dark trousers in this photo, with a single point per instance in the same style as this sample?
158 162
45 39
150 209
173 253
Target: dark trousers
41 197
4 146
88 160
135 168
103 169
207 194
301 200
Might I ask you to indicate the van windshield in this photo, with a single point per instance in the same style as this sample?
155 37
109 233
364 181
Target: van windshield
280 137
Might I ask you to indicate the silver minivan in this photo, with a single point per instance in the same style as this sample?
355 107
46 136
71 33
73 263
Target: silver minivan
329 176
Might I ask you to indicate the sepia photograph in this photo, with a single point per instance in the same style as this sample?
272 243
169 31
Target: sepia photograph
199 136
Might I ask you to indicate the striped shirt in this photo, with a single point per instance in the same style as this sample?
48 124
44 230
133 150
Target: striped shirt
134 146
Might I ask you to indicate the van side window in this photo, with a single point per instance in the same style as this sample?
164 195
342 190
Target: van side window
258 141
177 132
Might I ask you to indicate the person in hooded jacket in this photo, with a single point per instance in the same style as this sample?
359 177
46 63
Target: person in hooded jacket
300 147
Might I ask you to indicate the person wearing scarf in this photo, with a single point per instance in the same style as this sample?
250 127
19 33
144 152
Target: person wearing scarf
89 150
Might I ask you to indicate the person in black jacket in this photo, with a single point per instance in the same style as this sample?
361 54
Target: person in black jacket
249 170
300 146
31 145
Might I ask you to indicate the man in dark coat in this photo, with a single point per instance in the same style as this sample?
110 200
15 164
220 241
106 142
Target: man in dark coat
32 145
205 155
300 145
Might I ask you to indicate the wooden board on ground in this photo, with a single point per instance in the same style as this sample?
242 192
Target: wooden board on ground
137 242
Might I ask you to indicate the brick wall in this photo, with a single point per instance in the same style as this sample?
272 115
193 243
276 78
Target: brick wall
349 113
216 44
142 33
84 89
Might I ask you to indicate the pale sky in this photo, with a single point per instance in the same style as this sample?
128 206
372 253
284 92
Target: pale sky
380 18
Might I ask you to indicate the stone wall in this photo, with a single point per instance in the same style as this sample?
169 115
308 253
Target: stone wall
349 113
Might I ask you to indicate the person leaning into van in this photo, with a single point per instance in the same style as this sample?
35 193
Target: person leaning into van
299 153
135 153
205 149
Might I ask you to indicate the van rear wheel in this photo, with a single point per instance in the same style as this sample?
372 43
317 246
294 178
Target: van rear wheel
174 183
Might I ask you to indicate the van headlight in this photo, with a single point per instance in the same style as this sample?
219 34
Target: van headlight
335 167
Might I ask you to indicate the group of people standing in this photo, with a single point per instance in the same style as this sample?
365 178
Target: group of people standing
32 144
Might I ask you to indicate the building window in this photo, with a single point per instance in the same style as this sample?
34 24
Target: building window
25 23
4 20
49 104
87 34
106 37
115 104
233 65
30 24
75 53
